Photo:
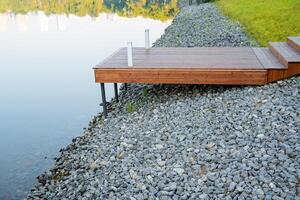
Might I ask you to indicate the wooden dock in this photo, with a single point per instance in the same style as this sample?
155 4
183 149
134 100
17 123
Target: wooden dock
230 66
226 66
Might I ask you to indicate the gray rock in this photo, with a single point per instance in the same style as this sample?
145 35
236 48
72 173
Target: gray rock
232 186
179 171
211 176
239 189
171 187
203 26
203 196
260 193
187 141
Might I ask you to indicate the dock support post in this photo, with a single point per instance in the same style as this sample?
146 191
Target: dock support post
129 54
116 92
147 39
129 59
104 105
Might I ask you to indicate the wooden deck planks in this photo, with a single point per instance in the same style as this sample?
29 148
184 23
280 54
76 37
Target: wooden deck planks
227 66
294 42
200 58
267 59
285 53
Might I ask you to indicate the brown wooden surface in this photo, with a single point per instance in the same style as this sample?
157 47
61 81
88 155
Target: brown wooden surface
200 58
294 69
228 66
279 74
284 52
294 42
267 59
275 75
182 76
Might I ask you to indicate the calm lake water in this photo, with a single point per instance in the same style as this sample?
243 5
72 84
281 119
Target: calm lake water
47 89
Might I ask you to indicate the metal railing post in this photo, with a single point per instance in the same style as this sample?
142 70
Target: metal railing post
147 39
129 54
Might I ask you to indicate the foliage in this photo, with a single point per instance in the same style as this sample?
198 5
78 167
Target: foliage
145 92
157 9
265 20
131 107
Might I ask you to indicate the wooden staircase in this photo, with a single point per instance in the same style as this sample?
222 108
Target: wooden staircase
223 66
294 42
288 54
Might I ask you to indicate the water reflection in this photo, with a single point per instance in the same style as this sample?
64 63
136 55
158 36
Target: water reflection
61 22
47 89
3 21
156 9
21 21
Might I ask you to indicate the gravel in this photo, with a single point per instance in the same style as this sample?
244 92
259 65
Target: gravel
204 26
186 141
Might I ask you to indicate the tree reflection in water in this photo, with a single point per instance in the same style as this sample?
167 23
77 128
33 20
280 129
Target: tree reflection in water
156 9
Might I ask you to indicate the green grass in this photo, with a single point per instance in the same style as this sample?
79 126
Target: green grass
265 20
131 107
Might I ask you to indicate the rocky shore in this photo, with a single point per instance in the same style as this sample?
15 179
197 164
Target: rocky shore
187 142
204 26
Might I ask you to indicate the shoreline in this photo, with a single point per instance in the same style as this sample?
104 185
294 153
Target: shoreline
186 141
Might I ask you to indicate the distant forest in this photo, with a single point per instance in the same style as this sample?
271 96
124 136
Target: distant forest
156 9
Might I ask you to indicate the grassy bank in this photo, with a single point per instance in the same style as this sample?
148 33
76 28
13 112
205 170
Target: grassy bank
265 20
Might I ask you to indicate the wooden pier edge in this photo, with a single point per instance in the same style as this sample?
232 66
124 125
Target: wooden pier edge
182 76
200 65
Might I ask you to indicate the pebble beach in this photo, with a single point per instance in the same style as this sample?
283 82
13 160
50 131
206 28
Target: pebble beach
169 142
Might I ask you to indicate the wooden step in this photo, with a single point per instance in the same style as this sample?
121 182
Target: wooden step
294 42
267 59
285 53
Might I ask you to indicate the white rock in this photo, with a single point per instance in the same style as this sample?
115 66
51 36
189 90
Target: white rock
260 135
179 171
